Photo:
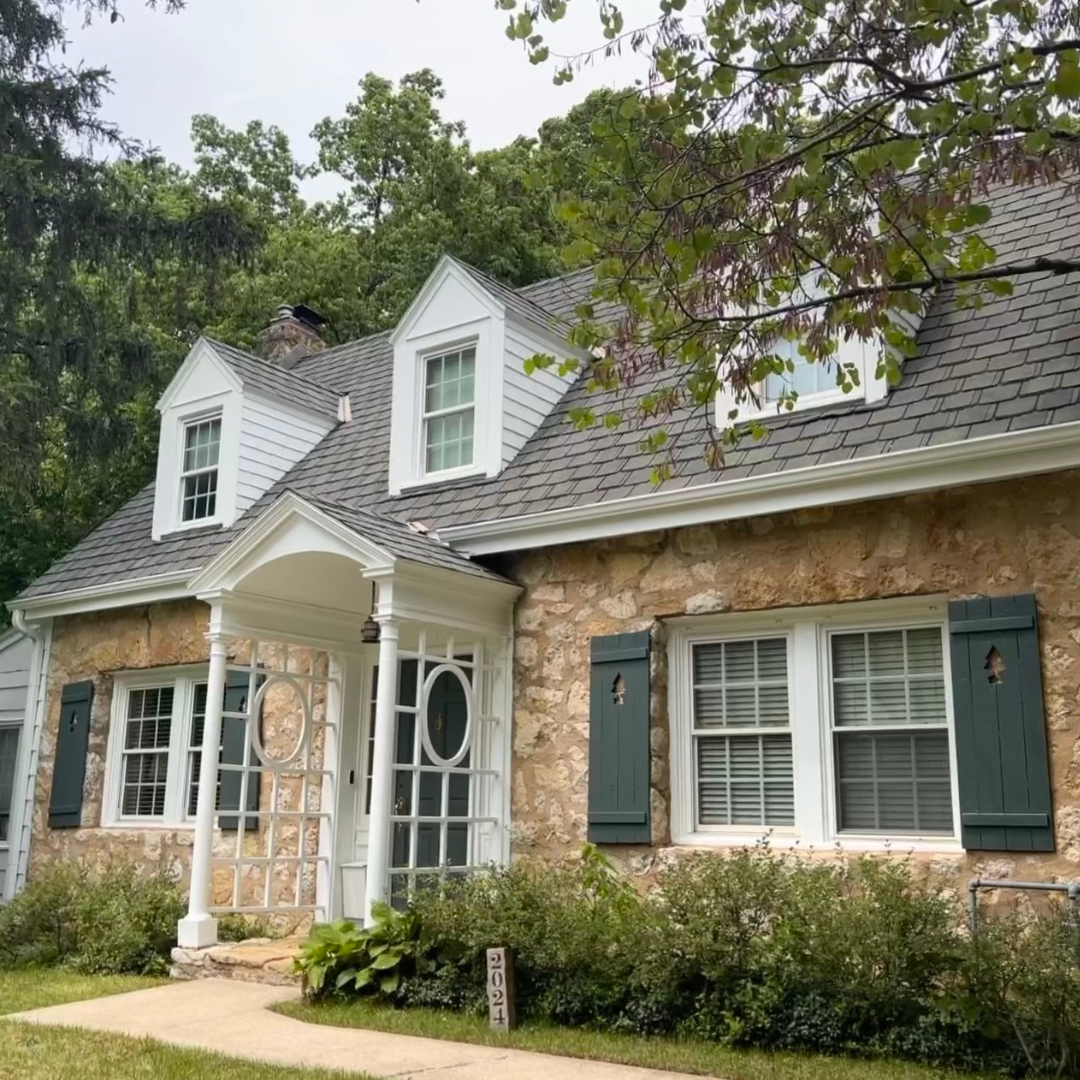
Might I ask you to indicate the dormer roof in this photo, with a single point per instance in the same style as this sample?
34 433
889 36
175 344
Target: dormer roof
271 380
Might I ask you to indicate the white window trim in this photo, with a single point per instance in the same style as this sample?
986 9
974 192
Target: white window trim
423 357
18 726
486 335
728 831
183 680
808 630
168 489
187 422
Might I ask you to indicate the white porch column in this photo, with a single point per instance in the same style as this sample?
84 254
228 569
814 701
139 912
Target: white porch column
198 928
382 765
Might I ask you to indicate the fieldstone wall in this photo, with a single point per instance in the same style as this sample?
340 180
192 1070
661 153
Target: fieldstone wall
995 539
98 645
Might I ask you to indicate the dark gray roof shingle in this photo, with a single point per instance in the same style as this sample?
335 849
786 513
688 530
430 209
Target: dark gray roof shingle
1011 364
279 382
399 539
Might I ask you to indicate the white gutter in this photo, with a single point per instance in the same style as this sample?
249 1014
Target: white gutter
147 590
973 461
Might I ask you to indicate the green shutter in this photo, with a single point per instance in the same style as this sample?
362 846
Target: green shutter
69 768
233 742
619 740
1002 766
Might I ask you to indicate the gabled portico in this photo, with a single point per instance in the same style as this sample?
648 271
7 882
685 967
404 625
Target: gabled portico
392 759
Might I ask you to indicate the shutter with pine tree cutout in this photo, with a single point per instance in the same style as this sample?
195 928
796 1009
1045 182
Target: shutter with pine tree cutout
619 740
1003 771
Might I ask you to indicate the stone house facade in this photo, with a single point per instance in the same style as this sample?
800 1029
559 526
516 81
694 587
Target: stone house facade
385 613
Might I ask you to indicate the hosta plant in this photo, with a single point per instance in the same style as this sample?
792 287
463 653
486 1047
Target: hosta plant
342 958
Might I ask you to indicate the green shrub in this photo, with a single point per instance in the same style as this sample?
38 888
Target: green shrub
233 927
568 928
341 958
111 919
864 957
1019 988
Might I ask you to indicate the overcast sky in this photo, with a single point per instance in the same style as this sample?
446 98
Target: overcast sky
292 62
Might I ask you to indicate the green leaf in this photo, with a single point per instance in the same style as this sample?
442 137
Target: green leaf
345 977
389 983
390 958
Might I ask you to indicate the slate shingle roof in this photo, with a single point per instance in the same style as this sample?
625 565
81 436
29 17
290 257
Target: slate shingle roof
401 541
279 382
1013 364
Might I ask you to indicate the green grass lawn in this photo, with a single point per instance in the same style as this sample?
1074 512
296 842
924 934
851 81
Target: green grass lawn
53 1053
38 987
679 1055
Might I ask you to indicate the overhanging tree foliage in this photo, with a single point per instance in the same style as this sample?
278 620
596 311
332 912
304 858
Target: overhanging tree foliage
806 171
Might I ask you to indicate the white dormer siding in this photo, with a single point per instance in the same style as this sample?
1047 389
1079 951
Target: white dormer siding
260 438
527 399
457 314
273 438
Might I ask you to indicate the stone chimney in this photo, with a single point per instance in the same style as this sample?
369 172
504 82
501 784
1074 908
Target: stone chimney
293 333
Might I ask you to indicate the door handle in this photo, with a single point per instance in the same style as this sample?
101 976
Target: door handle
352 776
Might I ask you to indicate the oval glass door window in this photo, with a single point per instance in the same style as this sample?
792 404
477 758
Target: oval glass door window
446 733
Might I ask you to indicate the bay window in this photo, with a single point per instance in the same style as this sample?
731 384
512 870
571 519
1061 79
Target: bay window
816 726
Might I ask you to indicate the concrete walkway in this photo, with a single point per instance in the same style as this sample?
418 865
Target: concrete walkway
233 1018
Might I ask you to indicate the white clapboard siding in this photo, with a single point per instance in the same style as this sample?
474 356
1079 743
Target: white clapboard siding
273 438
527 399
16 652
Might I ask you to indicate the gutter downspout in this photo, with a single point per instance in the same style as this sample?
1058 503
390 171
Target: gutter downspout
33 728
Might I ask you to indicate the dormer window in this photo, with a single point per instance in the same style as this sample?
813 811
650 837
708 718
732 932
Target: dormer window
449 417
815 384
199 475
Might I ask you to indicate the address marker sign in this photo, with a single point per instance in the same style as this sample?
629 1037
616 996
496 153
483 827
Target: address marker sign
500 988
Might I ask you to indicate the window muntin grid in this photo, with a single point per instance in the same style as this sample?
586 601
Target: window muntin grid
744 771
449 413
145 756
890 738
199 473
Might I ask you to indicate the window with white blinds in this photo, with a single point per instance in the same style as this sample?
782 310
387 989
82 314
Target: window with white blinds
818 726
155 739
741 733
890 731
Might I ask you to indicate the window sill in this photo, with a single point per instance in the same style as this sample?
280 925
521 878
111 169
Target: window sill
853 844
148 823
435 479
804 404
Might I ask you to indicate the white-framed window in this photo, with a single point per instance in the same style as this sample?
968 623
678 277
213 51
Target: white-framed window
805 385
742 733
814 726
449 412
890 731
9 754
152 764
199 469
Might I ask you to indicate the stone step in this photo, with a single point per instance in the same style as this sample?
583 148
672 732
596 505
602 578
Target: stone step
257 960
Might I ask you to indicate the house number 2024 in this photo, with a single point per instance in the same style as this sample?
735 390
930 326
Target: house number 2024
500 988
